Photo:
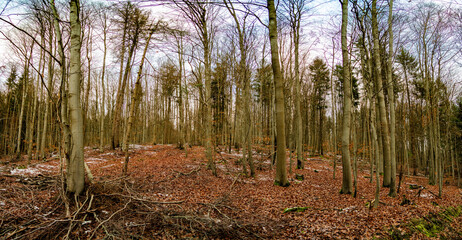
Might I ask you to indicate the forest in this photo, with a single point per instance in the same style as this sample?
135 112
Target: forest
230 119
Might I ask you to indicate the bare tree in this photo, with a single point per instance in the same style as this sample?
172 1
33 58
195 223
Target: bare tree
347 183
201 13
281 172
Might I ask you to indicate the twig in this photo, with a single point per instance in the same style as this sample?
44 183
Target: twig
75 214
179 174
189 173
143 200
109 218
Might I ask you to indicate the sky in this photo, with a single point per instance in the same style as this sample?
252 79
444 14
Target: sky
322 20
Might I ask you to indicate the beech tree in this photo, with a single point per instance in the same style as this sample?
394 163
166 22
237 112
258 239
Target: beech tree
281 173
347 183
75 170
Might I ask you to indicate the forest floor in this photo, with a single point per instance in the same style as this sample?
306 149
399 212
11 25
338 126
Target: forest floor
167 195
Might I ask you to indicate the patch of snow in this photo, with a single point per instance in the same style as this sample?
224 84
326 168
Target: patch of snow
151 153
138 146
26 171
2 203
264 178
267 161
110 165
426 195
92 160
107 154
349 209
46 168
309 168
233 154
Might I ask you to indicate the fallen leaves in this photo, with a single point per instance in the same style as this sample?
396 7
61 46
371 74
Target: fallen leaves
228 206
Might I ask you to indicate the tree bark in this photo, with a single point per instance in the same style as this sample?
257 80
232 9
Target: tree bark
391 99
76 170
281 172
136 95
381 99
347 183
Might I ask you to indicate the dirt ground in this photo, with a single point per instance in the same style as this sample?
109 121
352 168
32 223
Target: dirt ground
167 195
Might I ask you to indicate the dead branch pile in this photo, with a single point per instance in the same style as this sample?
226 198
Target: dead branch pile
115 210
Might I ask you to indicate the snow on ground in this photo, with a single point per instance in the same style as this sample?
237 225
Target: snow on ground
108 154
138 146
234 154
151 153
309 168
110 165
228 168
262 177
47 168
426 195
94 160
26 171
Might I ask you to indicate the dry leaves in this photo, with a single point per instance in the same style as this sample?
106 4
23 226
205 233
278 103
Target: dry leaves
228 206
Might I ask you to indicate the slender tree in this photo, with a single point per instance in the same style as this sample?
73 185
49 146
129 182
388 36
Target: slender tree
347 183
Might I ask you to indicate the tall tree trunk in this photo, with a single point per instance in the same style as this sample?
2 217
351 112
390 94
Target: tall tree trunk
65 128
25 83
334 118
381 99
136 96
391 99
281 173
49 99
76 170
116 113
103 90
88 88
34 115
347 183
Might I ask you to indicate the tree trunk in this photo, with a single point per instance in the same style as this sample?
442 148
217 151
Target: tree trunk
347 183
281 173
136 95
391 99
103 90
48 102
116 114
25 79
76 170
381 99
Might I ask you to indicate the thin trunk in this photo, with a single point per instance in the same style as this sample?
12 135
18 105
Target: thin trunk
381 99
23 103
120 91
48 102
136 96
391 99
103 90
347 183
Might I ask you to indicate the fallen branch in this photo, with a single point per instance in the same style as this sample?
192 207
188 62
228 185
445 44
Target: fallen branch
178 175
109 218
143 200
